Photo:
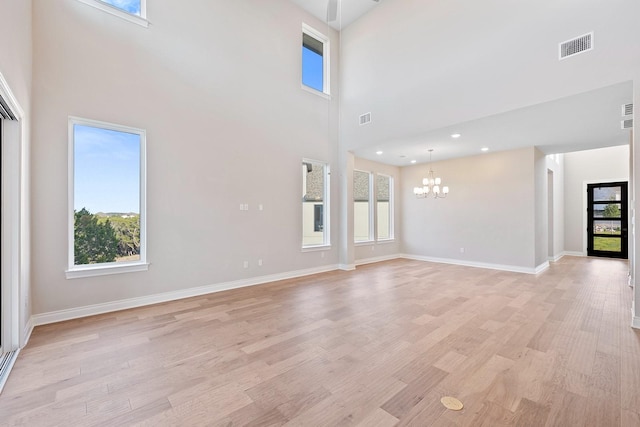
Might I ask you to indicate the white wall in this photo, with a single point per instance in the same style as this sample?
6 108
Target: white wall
555 165
489 212
541 208
580 168
217 87
373 250
16 68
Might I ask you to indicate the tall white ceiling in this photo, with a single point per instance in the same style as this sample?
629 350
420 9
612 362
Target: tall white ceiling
487 70
348 10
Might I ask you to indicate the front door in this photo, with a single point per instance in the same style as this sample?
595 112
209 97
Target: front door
607 220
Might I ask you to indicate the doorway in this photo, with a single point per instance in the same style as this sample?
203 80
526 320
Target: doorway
607 220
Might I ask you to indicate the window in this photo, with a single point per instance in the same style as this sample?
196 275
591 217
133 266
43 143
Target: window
315 60
315 204
131 10
133 7
362 208
384 210
106 198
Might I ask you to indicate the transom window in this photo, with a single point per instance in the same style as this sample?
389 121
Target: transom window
133 7
315 60
130 10
106 198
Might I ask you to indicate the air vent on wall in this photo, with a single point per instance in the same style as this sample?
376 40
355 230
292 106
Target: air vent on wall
626 124
627 109
577 45
365 119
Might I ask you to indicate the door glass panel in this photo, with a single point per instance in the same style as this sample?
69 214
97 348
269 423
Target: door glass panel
611 227
603 194
610 210
610 244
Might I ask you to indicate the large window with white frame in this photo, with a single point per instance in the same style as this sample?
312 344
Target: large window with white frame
131 10
384 207
315 60
315 204
107 198
362 206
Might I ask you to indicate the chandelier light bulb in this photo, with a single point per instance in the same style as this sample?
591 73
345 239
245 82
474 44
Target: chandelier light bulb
445 189
438 181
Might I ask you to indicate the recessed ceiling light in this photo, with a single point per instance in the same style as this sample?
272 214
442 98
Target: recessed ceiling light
484 149
413 161
378 152
455 135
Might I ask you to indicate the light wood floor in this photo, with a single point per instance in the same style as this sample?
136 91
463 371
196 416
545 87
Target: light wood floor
375 347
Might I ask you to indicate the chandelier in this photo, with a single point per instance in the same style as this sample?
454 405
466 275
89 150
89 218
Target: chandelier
431 185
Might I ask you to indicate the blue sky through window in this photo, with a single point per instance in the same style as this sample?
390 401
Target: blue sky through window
106 170
130 6
312 69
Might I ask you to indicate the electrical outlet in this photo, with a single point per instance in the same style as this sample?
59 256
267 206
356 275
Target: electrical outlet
246 264
260 262
461 250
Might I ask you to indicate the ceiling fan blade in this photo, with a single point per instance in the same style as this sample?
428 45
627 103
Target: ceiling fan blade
332 10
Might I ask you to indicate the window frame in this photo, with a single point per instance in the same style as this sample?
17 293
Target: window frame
76 271
326 61
326 216
121 13
391 209
372 201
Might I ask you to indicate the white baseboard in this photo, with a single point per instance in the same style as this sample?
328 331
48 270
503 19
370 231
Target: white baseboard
347 267
502 267
574 253
92 310
26 332
542 267
557 257
377 259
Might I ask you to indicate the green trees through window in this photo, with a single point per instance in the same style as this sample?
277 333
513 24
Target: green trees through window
103 238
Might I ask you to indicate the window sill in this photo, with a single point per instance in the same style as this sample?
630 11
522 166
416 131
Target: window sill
314 91
103 270
316 248
383 241
117 12
364 243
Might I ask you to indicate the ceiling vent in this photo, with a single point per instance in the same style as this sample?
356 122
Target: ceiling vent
577 45
365 119
626 124
627 109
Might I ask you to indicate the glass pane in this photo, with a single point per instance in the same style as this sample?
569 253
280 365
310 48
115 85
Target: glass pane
313 218
106 195
603 194
361 206
130 6
312 69
611 210
383 201
607 244
607 227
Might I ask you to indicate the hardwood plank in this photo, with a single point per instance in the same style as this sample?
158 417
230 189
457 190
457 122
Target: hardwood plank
378 346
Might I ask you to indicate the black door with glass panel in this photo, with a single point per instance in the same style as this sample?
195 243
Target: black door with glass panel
607 220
